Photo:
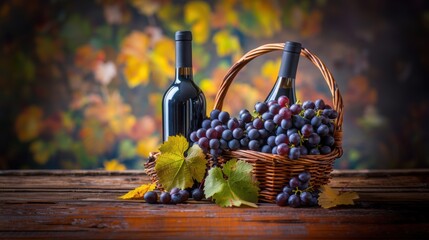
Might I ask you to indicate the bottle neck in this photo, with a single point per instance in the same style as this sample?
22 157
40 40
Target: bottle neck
289 65
183 74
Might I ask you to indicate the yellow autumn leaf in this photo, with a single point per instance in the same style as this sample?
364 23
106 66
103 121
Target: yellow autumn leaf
226 43
330 197
28 124
197 13
270 69
139 192
146 7
147 145
114 165
163 62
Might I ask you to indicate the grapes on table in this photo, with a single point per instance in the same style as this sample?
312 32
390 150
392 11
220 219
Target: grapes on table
298 192
275 127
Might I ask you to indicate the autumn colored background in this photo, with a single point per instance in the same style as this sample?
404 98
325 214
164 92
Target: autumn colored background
81 82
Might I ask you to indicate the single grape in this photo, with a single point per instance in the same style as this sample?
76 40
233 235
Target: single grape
309 113
215 123
314 201
282 199
320 104
295 139
234 144
294 153
249 126
287 190
269 125
151 197
203 142
314 151
233 123
266 149
174 190
214 114
283 101
313 140
305 198
295 108
223 144
303 185
165 198
280 130
298 121
254 145
176 198
224 117
325 150
194 137
327 112
238 133
258 123
278 119
244 142
227 134
303 150
211 133
241 124
197 194
286 124
243 111
294 182
291 131
184 194
308 105
304 176
267 116
271 102
206 124
316 121
274 109
285 113
271 141
325 120
215 152
219 130
274 151
294 201
253 134
323 130
261 107
331 127
281 138
333 115
214 144
201 132
263 134
328 141
283 149
246 117
306 130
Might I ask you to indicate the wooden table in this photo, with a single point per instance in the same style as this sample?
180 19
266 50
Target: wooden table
84 205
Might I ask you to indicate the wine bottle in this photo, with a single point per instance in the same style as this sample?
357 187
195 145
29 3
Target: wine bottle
183 104
285 84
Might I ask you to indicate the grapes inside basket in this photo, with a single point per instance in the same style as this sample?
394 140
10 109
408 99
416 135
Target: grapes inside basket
279 139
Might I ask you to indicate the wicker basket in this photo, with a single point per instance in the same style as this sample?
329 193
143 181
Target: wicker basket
273 171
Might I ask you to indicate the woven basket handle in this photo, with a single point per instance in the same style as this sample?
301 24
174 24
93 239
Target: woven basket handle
233 71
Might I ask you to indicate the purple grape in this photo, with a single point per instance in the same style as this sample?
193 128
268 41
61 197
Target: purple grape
285 113
193 136
184 195
271 141
281 139
303 150
295 109
227 134
309 113
151 197
314 151
176 198
263 133
233 123
269 125
278 119
246 117
215 152
254 145
291 131
203 142
238 133
215 123
219 130
223 144
274 109
214 143
197 194
165 198
224 117
295 139
244 142
283 149
323 130
267 116
316 121
328 141
303 185
283 101
274 150
174 190
298 121
253 134
258 123
334 114
266 149
305 198
325 150
243 111
234 144
287 190
206 124
294 153
271 102
308 105
313 139
294 201
286 124
211 133
280 130
214 114
304 176
307 130
294 182
320 104
282 199
201 132
261 107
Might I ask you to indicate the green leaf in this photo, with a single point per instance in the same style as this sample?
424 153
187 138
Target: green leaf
176 170
233 185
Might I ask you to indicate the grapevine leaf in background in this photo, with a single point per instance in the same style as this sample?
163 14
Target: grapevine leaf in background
233 185
329 197
176 170
139 192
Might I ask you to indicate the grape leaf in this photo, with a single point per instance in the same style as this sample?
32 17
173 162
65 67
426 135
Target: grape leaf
176 170
139 192
233 185
330 197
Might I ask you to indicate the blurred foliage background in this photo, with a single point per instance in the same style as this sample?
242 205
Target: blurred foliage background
81 82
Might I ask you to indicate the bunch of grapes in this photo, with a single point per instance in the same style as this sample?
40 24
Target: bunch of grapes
275 127
298 193
175 196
